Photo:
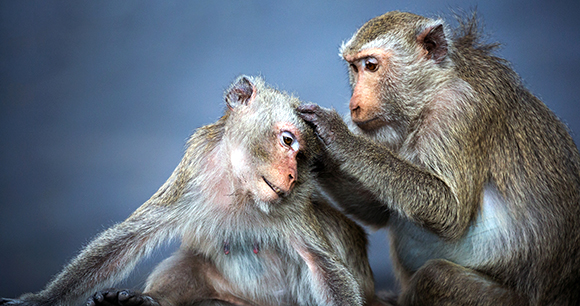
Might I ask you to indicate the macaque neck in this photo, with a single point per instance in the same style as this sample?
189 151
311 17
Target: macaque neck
215 178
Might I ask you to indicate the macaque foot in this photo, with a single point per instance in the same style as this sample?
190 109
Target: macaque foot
115 297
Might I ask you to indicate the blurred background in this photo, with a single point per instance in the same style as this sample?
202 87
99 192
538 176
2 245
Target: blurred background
97 99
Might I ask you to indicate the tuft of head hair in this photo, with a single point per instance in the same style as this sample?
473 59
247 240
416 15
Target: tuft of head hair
469 33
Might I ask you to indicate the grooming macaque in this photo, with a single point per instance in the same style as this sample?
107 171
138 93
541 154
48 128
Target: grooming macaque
252 231
476 179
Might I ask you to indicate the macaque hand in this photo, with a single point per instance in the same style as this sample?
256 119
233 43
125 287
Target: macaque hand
327 123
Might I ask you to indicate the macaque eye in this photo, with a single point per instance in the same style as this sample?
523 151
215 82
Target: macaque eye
289 140
371 64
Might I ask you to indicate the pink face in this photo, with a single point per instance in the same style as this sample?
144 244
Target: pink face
367 68
279 178
271 179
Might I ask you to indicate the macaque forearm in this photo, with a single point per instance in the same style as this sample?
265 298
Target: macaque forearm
334 284
106 260
403 187
343 188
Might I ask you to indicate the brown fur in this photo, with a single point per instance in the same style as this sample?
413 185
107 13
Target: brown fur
477 180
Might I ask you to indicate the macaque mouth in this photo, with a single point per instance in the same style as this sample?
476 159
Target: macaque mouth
275 188
371 124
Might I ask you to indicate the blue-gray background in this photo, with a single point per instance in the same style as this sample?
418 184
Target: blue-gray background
98 97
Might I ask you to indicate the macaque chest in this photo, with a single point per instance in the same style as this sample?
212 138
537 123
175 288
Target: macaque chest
252 266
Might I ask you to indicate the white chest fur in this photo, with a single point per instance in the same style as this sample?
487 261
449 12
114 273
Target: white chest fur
484 240
254 264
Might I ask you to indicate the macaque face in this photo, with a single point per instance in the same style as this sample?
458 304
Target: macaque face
279 176
265 141
366 69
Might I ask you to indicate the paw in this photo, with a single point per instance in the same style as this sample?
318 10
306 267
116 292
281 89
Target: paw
115 297
327 123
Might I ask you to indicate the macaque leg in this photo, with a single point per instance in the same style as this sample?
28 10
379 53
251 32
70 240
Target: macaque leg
440 282
182 279
187 278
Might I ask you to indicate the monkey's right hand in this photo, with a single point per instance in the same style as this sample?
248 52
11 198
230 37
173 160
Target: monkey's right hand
116 297
327 123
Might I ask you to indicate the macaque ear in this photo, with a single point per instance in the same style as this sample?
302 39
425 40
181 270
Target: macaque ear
433 40
241 92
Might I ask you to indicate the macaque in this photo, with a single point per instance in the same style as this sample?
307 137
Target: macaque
476 179
253 231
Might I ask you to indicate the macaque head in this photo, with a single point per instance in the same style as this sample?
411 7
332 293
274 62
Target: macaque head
269 145
393 60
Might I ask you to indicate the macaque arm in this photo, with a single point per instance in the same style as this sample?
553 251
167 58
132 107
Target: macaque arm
397 184
438 280
109 258
344 189
188 277
331 282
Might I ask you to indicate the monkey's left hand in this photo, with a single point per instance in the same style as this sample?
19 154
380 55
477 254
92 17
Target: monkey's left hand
327 123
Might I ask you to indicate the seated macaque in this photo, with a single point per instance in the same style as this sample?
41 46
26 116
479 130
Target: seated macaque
253 232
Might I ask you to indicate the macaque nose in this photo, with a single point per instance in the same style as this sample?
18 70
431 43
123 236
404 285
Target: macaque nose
352 105
291 171
287 174
354 108
291 178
